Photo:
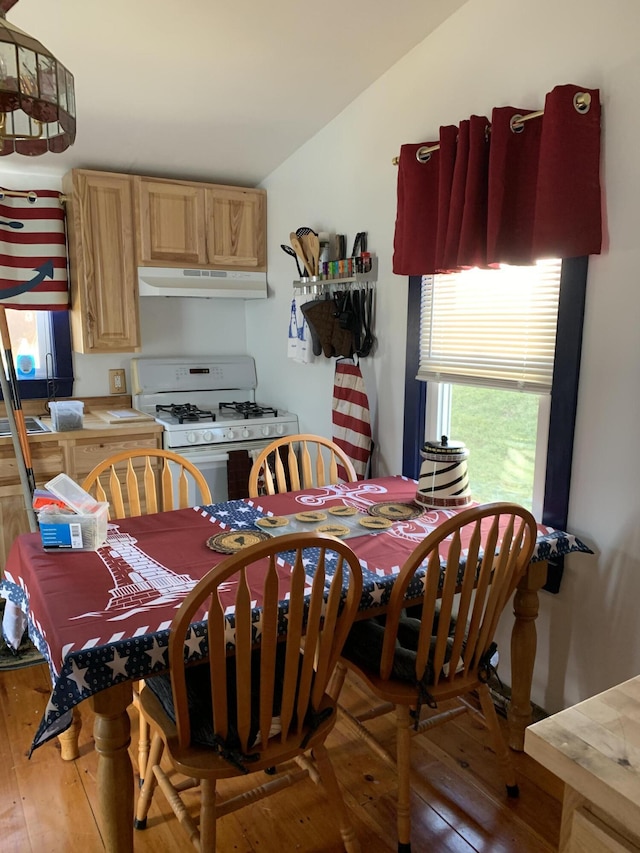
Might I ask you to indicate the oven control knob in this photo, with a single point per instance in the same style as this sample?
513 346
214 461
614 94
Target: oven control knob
266 430
246 433
280 429
206 435
192 437
231 434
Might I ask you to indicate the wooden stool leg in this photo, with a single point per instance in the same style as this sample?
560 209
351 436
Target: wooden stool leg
144 743
403 746
68 740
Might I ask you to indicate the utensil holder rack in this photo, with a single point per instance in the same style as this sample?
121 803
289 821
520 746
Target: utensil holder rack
319 284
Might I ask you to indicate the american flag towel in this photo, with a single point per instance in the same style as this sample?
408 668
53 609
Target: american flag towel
351 421
33 251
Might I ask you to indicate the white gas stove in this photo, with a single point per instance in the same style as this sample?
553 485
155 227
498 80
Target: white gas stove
207 407
207 400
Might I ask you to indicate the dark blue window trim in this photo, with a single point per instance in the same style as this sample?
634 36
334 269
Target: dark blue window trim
564 397
61 382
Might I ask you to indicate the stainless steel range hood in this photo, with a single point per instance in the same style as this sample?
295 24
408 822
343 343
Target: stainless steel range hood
216 284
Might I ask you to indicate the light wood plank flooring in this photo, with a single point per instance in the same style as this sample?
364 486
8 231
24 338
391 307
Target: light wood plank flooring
50 806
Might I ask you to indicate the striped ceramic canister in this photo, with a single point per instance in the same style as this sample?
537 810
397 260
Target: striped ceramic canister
444 479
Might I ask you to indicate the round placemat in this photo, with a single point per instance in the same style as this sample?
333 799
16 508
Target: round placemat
270 521
342 510
395 511
311 515
333 529
232 541
375 522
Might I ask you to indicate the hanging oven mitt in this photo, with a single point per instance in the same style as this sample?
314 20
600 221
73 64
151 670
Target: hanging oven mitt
319 314
316 345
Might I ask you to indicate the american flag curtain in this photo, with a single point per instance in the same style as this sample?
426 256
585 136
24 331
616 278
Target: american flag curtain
33 251
351 420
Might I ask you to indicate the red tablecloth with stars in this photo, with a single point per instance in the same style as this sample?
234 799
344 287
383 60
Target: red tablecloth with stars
102 617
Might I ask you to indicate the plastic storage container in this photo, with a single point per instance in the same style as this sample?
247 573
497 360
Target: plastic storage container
83 527
66 415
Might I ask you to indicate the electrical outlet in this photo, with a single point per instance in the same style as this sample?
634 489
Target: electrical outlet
117 382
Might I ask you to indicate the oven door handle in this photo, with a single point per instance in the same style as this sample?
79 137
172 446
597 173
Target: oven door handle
198 458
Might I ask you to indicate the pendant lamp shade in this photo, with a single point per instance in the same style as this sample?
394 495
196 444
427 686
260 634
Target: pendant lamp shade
37 98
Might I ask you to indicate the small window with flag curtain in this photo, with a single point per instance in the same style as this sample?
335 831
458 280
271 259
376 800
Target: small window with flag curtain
34 293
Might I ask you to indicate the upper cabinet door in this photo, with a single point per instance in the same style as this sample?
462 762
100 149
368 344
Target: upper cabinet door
104 280
236 228
171 222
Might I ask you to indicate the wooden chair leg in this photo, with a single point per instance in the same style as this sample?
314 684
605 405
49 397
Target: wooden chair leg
330 782
502 750
208 815
403 763
146 794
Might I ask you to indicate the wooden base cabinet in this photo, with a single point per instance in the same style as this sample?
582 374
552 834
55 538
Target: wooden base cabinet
104 276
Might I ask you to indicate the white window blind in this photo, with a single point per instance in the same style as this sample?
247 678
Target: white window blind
491 327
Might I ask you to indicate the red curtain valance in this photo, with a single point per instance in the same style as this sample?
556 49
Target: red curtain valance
503 192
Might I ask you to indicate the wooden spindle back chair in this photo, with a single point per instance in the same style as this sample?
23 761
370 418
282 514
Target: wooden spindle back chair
311 460
467 569
139 482
262 696
159 483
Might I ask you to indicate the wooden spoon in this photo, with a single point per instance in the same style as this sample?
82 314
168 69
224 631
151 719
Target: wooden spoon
299 250
311 245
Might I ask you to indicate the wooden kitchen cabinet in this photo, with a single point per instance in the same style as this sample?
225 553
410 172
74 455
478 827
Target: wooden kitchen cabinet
104 278
185 223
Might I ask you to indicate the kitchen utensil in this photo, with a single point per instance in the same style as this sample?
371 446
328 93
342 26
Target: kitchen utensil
299 250
300 232
289 251
311 246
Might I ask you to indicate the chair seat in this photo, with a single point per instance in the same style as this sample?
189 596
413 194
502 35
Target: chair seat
203 760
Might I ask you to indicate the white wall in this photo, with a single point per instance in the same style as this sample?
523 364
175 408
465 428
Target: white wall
492 53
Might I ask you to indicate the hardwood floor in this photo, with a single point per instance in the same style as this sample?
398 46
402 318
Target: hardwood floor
50 806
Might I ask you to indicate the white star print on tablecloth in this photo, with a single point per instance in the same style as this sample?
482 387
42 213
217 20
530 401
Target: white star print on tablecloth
118 665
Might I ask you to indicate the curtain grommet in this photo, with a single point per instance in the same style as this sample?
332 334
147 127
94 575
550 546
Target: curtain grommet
423 155
582 102
516 123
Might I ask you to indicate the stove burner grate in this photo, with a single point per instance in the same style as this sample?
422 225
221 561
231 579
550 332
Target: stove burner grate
186 412
249 410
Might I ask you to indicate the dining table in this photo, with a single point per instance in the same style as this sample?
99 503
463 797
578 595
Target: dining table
101 618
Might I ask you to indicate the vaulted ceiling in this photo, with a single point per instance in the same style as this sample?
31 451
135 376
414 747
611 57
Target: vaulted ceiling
221 90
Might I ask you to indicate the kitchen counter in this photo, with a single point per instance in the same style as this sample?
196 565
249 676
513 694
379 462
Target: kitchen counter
94 426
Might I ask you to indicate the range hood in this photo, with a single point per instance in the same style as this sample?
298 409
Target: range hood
226 284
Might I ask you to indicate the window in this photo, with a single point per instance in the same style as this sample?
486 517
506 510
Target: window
41 347
466 370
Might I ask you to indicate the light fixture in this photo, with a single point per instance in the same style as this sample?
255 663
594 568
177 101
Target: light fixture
37 99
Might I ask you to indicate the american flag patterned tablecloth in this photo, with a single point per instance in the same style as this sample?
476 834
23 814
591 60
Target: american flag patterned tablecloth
103 617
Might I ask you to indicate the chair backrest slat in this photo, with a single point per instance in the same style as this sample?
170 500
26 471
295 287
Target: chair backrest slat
269 642
150 488
295 667
295 626
244 644
305 455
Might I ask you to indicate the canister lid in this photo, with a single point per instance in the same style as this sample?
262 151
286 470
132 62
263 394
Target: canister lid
444 446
